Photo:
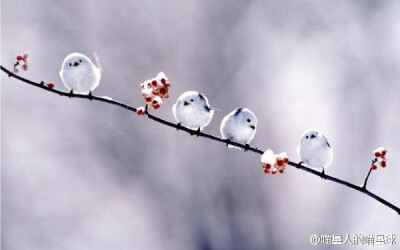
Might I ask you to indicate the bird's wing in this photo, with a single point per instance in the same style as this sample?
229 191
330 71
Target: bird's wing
326 140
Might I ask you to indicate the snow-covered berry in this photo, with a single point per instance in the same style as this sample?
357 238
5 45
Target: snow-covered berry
273 163
156 90
140 110
380 158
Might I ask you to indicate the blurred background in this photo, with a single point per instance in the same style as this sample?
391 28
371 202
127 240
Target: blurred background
86 175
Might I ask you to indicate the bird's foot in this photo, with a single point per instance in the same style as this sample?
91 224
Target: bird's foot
178 126
71 93
195 132
323 174
198 132
228 141
90 96
246 147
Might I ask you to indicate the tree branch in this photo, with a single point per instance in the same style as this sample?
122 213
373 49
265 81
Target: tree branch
369 173
245 147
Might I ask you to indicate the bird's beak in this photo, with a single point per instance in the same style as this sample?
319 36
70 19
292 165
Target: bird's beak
185 103
253 127
76 64
313 136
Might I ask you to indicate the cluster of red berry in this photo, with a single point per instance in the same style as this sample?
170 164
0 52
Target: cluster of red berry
156 90
273 163
21 61
380 158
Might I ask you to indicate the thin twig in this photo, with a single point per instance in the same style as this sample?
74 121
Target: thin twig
361 189
366 178
369 173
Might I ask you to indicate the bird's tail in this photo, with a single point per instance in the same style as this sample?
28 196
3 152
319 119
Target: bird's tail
97 60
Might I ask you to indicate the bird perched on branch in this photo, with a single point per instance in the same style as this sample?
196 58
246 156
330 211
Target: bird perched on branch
239 126
79 74
314 150
192 110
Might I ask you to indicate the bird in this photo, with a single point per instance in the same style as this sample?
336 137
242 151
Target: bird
79 74
193 111
239 126
314 150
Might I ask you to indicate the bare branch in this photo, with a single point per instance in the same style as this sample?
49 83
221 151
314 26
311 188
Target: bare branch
198 133
369 173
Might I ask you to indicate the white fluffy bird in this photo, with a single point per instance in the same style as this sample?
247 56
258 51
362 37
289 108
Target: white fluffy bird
239 126
314 150
192 110
79 74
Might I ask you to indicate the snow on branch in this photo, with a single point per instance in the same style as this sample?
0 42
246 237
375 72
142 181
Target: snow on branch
379 153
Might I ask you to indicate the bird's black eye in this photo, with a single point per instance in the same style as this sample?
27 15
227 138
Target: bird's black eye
248 120
307 137
80 60
70 64
191 100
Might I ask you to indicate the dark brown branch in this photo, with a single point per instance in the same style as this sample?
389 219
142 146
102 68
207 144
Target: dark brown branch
366 178
369 173
361 189
42 85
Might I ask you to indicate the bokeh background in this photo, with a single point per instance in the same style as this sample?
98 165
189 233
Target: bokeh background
86 175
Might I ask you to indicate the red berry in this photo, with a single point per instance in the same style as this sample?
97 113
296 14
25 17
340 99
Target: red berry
156 106
286 160
163 91
148 99
24 67
279 162
15 70
51 85
139 112
378 154
163 81
25 56
273 172
281 171
19 58
374 167
384 153
266 170
383 164
154 83
268 166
